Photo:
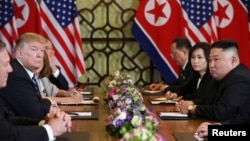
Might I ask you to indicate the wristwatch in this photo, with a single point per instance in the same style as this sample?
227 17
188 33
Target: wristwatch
190 108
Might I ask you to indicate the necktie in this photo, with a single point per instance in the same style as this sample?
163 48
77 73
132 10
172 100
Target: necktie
35 85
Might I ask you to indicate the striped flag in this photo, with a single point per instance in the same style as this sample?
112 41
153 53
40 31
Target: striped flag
199 21
60 24
8 30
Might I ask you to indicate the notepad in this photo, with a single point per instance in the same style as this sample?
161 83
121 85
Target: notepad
184 136
172 115
80 113
74 136
83 102
149 92
85 92
163 102
84 115
152 92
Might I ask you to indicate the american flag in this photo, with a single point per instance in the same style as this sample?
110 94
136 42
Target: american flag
60 24
8 30
199 23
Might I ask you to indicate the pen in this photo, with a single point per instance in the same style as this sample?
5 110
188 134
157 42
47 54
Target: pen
72 113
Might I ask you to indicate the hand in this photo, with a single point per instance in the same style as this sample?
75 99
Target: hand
60 123
170 95
76 97
182 106
155 86
52 112
202 130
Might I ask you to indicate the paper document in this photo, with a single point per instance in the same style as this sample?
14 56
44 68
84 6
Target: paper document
172 114
85 92
150 91
163 102
79 103
80 113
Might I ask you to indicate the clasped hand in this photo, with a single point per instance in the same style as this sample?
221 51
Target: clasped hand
59 121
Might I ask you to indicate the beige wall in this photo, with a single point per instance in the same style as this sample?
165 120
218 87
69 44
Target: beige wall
108 44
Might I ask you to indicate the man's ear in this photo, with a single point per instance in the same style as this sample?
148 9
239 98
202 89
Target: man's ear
185 51
235 60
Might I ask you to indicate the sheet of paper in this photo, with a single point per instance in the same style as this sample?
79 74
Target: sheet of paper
80 113
172 114
82 102
85 92
150 91
163 102
160 99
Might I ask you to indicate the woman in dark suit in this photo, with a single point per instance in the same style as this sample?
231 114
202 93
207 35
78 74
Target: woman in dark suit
197 86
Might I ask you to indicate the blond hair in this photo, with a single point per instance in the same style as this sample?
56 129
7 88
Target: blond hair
27 38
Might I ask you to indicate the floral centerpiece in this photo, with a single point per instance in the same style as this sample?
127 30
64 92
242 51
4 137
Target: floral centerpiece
127 111
141 133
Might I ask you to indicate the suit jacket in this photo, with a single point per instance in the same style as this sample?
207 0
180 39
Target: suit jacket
189 91
14 128
228 98
49 89
183 79
20 95
59 81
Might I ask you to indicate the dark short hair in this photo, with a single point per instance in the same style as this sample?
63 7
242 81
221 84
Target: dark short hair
225 45
182 42
201 45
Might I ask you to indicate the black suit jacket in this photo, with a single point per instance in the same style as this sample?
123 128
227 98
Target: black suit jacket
183 79
20 95
13 128
189 91
59 81
228 98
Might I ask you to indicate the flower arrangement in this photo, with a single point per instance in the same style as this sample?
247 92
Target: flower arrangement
141 133
127 111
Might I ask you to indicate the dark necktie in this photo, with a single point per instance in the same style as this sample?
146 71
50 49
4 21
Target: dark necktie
36 85
182 77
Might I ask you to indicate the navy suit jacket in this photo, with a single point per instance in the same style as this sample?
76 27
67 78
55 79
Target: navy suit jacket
59 81
14 128
228 98
20 95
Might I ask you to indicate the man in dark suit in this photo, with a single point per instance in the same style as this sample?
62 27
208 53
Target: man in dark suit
229 94
56 76
202 130
179 52
16 129
21 95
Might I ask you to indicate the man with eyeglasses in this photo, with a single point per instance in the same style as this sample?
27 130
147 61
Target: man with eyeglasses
179 52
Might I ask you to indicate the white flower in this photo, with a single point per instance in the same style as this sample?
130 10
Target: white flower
122 116
115 97
112 83
136 120
117 73
128 100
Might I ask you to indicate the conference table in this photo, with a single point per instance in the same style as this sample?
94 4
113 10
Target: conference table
96 127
